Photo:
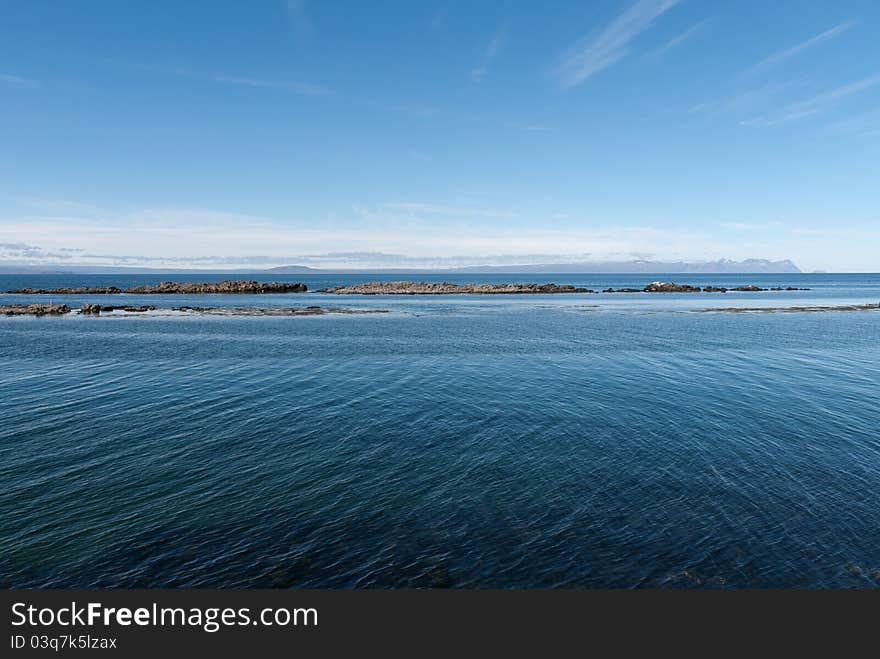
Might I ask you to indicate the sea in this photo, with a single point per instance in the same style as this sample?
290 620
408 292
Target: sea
460 441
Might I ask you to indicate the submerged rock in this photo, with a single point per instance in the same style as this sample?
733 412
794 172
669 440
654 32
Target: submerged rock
275 311
748 289
86 290
34 309
848 307
446 288
228 286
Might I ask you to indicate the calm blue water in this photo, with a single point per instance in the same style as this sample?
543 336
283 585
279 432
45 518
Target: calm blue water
464 441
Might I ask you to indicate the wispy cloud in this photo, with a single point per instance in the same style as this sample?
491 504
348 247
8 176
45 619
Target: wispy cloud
788 53
680 39
745 226
814 105
451 211
492 49
760 102
208 240
216 239
302 88
594 54
817 103
15 80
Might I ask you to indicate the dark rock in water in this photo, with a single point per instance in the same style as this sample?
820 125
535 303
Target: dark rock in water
445 288
96 290
227 287
34 309
748 289
714 289
669 287
795 288
657 287
95 309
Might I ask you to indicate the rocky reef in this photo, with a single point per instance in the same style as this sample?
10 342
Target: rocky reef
85 290
34 309
445 288
275 311
95 309
671 287
228 286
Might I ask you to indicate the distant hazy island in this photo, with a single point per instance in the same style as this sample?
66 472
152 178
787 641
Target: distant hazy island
637 266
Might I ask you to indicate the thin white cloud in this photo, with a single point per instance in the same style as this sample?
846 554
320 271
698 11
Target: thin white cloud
436 209
816 105
745 226
302 88
820 101
591 55
788 53
495 44
680 39
211 239
15 80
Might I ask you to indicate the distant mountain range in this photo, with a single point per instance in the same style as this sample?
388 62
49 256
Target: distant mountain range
723 266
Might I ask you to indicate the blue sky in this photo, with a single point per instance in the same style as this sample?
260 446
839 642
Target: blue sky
351 133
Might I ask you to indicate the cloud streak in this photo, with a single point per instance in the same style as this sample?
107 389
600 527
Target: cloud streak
817 104
589 56
15 80
495 44
680 39
302 88
788 53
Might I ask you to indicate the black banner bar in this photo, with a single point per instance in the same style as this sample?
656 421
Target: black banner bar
134 623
